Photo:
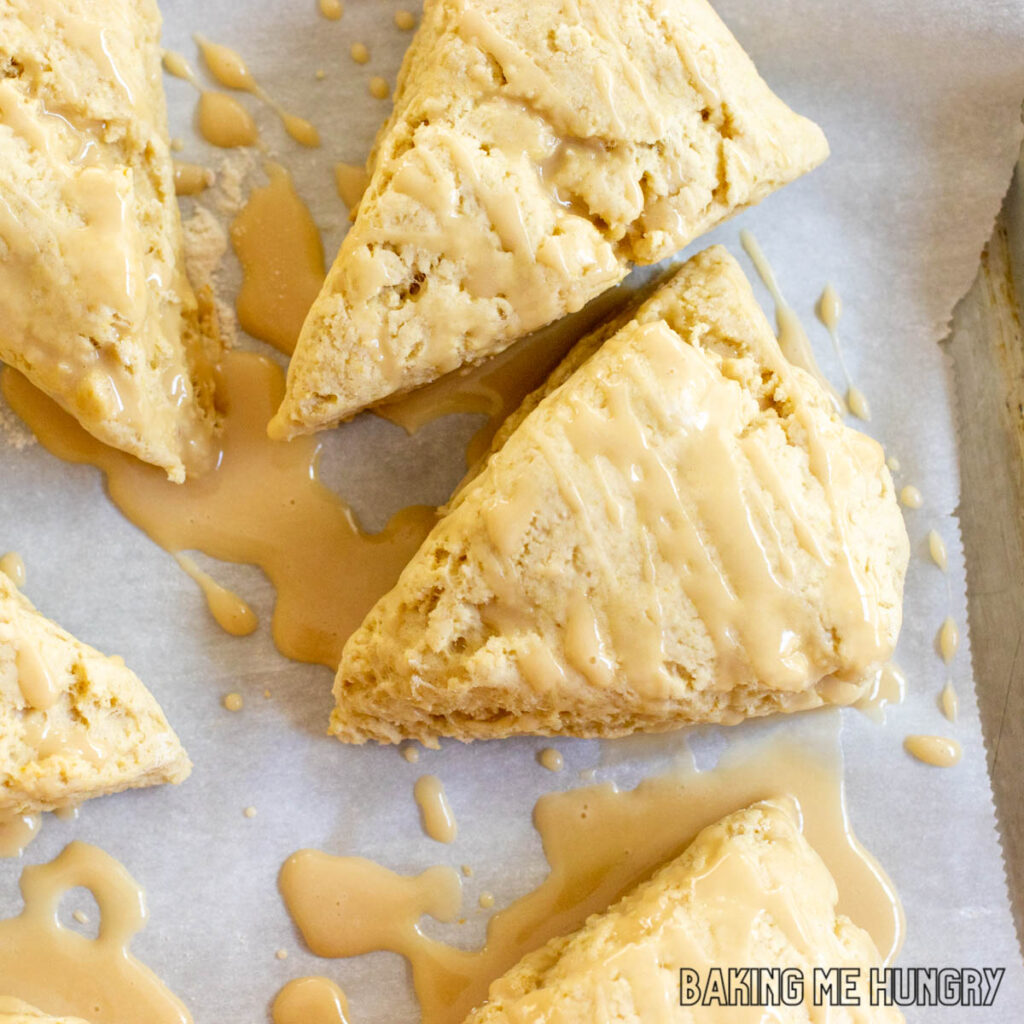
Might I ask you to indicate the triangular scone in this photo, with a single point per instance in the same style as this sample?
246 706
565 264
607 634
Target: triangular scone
681 531
95 307
749 892
74 723
16 1011
533 154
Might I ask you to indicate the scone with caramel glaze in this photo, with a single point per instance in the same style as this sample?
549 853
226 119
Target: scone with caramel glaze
749 892
74 723
95 307
534 153
677 529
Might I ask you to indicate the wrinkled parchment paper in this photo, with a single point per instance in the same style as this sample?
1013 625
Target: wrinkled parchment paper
921 102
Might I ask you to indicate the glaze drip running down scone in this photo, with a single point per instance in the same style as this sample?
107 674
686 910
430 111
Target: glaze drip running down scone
95 307
678 528
74 723
534 153
749 891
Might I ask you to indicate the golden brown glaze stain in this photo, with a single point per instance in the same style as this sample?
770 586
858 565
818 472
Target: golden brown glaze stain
311 1000
351 181
191 179
226 66
230 70
176 64
551 759
229 611
830 307
829 310
13 566
949 702
937 550
600 842
282 258
857 403
379 88
911 497
436 814
49 965
16 832
938 751
263 504
948 639
221 119
405 20
332 9
233 702
360 53
368 907
301 130
224 122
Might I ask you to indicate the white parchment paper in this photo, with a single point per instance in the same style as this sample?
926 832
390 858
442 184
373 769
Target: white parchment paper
921 102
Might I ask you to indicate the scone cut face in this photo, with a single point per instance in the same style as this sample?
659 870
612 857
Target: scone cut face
74 723
95 306
535 152
749 891
680 530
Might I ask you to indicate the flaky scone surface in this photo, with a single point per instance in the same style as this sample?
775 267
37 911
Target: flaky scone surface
95 307
749 891
74 723
534 152
681 531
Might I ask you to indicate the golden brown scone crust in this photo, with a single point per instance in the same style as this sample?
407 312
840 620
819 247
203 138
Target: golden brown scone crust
535 152
100 732
749 891
95 307
678 529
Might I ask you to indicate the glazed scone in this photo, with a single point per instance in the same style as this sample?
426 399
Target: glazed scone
16 1011
95 307
680 530
531 158
749 891
74 723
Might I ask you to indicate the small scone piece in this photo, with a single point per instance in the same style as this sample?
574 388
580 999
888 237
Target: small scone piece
534 153
95 307
678 528
749 892
15 1011
74 723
